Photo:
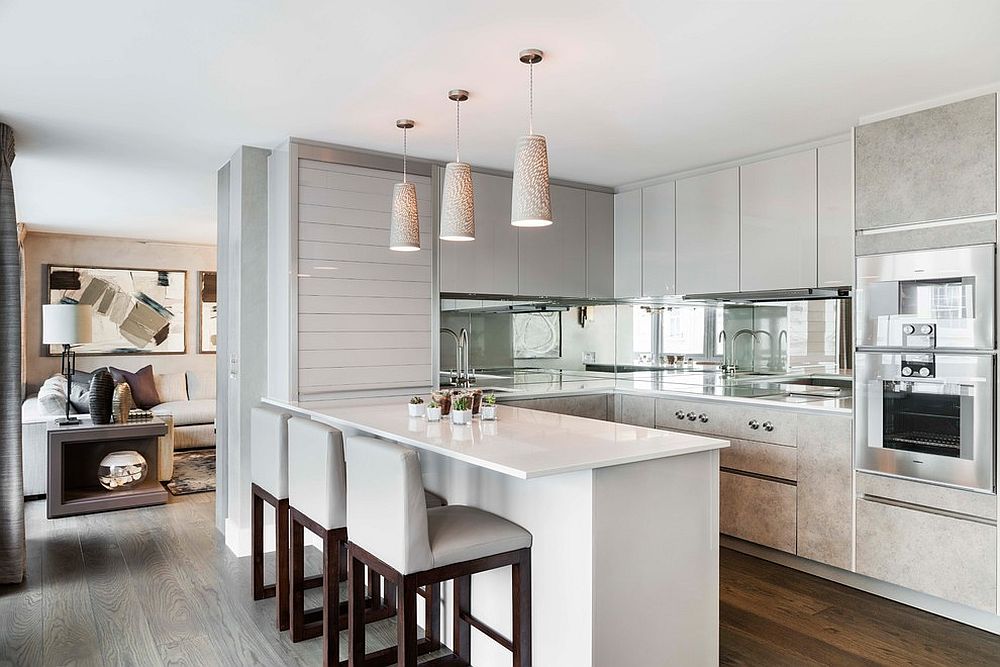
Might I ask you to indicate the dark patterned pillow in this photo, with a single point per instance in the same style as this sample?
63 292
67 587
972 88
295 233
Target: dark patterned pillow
142 384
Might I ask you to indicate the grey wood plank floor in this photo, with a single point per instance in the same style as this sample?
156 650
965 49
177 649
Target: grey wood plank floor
150 586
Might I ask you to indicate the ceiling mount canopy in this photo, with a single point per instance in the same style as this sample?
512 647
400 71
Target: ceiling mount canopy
531 204
404 226
458 217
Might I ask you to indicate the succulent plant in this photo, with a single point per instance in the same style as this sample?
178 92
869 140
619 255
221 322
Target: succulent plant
463 403
416 400
490 399
433 404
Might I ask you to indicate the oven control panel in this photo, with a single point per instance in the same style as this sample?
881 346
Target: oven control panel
917 367
919 334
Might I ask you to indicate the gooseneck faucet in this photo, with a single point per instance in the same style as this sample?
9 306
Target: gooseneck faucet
753 340
727 368
461 376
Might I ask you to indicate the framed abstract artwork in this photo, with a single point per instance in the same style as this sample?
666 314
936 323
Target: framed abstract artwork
208 314
136 311
537 335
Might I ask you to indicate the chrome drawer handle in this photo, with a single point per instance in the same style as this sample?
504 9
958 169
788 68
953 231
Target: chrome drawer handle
679 414
703 418
768 426
691 416
754 424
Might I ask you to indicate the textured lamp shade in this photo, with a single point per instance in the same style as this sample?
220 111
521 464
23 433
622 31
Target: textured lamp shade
530 204
458 217
404 228
66 324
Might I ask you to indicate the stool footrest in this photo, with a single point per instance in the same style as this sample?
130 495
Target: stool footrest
450 660
387 656
486 630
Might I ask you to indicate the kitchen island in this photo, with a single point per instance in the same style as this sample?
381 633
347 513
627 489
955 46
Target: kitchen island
625 522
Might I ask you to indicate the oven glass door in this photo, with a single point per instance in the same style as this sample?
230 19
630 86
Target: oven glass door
922 419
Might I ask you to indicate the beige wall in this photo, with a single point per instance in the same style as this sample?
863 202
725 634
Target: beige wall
65 249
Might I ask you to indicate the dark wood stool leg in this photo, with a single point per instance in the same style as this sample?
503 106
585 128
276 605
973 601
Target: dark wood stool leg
406 622
390 596
355 611
521 583
331 599
375 589
432 615
281 562
297 588
462 630
257 546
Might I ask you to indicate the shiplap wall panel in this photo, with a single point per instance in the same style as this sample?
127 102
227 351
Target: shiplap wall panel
364 311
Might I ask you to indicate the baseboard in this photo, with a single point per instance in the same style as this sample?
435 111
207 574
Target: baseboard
934 605
238 539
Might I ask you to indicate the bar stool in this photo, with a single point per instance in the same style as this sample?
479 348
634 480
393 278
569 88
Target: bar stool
392 533
269 475
317 501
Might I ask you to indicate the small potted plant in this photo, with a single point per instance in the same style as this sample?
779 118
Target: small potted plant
416 407
433 411
461 410
443 399
488 412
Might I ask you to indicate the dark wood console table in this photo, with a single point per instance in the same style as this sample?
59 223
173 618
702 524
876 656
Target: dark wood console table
75 453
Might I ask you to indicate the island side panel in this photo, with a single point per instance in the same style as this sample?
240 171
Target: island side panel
558 511
656 562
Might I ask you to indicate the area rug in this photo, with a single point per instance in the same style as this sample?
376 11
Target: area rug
194 472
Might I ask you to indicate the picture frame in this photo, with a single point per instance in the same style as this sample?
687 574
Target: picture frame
208 316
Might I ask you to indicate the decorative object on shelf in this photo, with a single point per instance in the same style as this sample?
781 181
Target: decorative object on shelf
404 226
122 470
443 399
489 410
433 411
140 415
477 400
65 325
102 389
537 335
416 407
462 412
531 203
208 312
458 216
121 402
133 311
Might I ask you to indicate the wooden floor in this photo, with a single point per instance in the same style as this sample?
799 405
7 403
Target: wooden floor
157 586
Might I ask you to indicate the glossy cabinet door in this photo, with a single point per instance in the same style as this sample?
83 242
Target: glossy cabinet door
708 233
628 244
778 223
552 261
658 237
487 265
600 245
936 164
834 221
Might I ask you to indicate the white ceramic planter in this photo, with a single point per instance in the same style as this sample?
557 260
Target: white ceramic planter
433 414
417 409
488 413
461 416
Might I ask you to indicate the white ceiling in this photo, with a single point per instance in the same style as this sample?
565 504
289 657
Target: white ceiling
124 110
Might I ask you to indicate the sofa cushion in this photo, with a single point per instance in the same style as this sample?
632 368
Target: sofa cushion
141 383
79 391
200 384
52 397
171 387
186 413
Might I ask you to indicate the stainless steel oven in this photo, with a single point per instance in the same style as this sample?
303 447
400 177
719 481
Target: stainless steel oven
928 299
927 416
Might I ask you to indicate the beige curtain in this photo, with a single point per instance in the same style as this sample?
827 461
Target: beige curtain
12 548
22 233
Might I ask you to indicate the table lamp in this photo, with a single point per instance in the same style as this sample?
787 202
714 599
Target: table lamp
67 324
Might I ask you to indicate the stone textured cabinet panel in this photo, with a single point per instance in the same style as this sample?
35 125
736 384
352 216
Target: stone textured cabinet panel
757 510
825 509
727 420
930 165
593 406
761 458
636 410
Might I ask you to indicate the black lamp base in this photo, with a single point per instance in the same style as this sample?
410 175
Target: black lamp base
69 421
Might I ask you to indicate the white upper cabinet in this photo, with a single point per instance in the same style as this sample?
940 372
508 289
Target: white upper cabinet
600 245
658 250
708 233
628 244
487 265
552 261
835 224
778 223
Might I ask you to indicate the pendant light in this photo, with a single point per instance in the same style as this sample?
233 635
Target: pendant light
458 216
531 205
404 226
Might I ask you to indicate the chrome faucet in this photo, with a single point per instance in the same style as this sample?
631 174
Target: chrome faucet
770 338
783 352
727 367
461 376
456 374
753 340
463 337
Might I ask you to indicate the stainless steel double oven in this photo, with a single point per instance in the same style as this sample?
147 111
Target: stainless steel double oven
925 365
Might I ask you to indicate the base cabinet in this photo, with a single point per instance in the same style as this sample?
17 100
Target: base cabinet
757 510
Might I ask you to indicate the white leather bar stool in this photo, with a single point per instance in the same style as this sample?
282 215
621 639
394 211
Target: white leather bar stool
269 475
393 533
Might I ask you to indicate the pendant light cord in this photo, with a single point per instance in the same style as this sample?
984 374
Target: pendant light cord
458 131
404 155
531 98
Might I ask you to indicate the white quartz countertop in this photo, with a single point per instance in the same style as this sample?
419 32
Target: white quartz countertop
522 443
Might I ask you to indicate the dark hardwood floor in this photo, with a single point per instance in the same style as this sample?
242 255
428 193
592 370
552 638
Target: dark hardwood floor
157 586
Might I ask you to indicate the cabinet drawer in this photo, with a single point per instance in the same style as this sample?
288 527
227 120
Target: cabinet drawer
730 421
952 558
761 458
757 510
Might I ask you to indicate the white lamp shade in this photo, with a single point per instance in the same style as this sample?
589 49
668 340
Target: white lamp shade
458 216
404 227
66 324
531 204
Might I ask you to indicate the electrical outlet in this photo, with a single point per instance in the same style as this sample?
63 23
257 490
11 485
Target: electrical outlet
589 357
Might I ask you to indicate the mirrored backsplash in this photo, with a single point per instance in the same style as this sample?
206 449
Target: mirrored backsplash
764 338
